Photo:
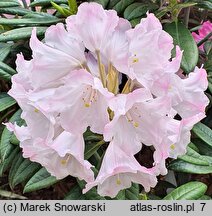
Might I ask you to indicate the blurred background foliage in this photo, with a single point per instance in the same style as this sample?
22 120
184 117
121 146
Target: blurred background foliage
189 176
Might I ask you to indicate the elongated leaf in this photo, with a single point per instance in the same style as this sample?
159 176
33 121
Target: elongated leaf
8 161
7 68
188 191
205 5
21 33
76 193
11 195
4 50
5 146
15 165
131 193
205 197
29 22
41 179
184 39
135 21
135 10
14 140
24 172
122 5
112 3
104 3
203 147
202 4
91 149
47 2
15 11
193 157
4 75
203 132
6 101
8 4
182 166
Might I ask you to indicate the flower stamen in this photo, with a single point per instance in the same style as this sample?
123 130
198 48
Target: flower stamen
65 161
90 95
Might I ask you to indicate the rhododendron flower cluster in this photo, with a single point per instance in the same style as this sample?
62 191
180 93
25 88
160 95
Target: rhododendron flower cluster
76 80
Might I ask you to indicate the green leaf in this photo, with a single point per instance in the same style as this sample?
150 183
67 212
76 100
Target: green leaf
135 10
76 193
193 157
4 75
188 191
41 179
112 3
122 5
91 149
21 33
14 140
202 4
29 22
5 146
8 4
182 166
47 2
203 132
203 147
205 197
18 159
208 63
8 161
131 193
72 6
65 12
11 195
7 68
4 50
15 11
6 101
104 3
24 172
135 22
184 39
205 5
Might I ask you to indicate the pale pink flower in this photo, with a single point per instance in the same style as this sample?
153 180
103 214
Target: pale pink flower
187 95
60 152
118 171
148 37
100 24
204 30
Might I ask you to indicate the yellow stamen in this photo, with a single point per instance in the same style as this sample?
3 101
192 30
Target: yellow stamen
135 60
65 161
136 124
36 110
118 181
172 146
87 105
